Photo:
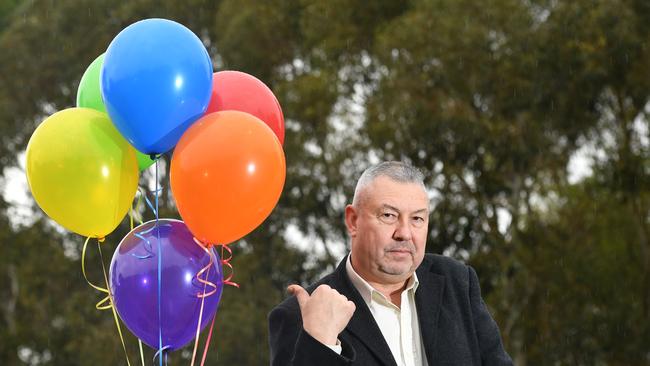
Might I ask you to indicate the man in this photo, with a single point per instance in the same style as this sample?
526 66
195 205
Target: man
388 303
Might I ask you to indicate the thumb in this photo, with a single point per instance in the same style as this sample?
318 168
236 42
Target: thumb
301 294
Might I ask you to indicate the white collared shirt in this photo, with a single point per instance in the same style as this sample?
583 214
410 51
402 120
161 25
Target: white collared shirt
399 326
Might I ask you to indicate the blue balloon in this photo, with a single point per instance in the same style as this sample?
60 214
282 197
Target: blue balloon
155 82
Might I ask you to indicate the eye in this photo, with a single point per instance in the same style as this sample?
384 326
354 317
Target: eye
418 221
387 217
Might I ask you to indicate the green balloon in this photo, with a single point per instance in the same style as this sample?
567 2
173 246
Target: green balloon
89 95
144 161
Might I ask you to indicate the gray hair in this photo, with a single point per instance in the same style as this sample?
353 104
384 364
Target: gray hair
395 170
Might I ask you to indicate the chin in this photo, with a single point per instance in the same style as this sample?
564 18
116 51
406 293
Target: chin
396 270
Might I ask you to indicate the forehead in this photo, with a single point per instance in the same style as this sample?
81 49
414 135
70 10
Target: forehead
403 196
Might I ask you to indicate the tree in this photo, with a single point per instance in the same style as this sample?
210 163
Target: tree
491 100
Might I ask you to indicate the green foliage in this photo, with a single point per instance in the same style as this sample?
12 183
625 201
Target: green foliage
583 285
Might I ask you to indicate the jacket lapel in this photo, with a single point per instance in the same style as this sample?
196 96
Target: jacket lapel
362 324
428 299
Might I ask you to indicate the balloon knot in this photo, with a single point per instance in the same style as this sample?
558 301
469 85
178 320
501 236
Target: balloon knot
206 245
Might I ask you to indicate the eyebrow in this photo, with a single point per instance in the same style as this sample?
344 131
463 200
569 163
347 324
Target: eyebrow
420 211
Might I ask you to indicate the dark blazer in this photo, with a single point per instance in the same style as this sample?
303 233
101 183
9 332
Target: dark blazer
456 327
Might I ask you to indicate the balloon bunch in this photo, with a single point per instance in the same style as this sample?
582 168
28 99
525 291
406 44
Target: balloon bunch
151 92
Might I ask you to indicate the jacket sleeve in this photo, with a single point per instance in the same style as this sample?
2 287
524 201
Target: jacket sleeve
290 345
487 331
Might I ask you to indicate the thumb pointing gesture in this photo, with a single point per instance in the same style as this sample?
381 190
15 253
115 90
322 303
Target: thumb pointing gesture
325 313
301 294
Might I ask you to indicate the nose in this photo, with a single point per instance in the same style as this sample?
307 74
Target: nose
402 230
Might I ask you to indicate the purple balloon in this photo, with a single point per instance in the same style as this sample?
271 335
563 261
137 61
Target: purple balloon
134 283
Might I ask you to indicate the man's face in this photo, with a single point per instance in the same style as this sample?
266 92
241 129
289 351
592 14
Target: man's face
388 227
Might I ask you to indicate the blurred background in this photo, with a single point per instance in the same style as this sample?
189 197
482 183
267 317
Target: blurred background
529 118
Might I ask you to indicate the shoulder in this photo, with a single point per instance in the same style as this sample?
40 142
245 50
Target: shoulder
454 271
442 265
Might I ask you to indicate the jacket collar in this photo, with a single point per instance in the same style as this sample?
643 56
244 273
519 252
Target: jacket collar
428 300
362 324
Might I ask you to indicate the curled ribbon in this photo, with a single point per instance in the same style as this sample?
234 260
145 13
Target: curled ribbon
139 219
151 205
139 235
226 262
204 294
147 244
101 304
162 351
202 297
205 282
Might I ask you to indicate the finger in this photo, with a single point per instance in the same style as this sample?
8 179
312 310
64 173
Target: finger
350 308
351 305
324 289
301 294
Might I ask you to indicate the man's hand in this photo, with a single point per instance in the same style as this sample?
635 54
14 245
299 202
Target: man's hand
325 313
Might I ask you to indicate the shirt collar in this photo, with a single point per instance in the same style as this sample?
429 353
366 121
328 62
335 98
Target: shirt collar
364 287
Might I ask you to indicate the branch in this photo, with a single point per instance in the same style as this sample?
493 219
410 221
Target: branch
10 304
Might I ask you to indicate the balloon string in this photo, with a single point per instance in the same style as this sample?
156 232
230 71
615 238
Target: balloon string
198 326
131 214
154 209
225 262
207 341
160 346
99 305
162 351
147 243
157 190
132 211
203 270
117 321
141 352
108 298
202 296
153 206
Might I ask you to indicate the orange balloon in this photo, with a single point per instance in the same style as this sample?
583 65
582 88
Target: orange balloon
227 174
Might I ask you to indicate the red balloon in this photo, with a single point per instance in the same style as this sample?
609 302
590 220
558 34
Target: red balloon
227 174
238 91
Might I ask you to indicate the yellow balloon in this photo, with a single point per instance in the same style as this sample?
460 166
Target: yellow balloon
81 171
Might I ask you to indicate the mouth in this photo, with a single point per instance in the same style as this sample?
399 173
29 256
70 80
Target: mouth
400 252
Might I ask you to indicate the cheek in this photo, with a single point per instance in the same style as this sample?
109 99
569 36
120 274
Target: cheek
421 241
376 234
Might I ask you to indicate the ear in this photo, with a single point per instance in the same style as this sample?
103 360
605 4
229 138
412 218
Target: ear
351 217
